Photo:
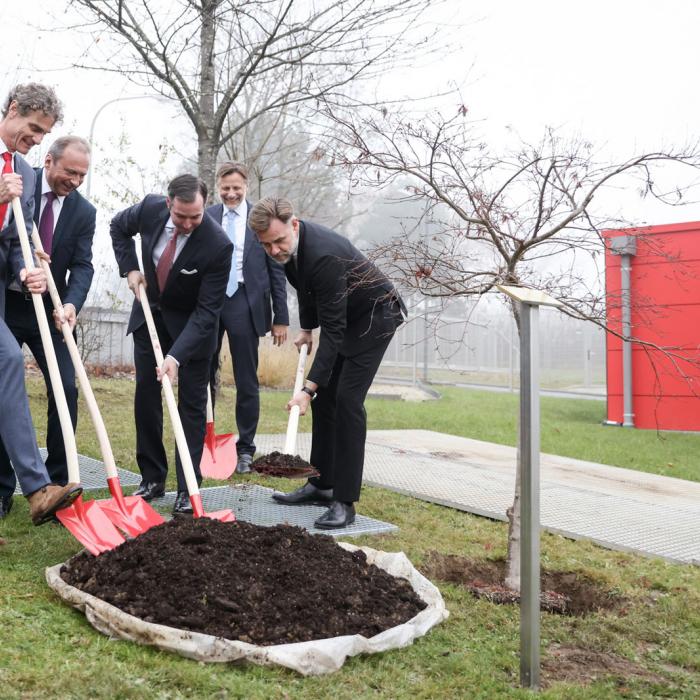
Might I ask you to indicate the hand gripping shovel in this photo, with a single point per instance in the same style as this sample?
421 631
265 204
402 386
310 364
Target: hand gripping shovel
85 521
219 456
131 514
290 444
185 459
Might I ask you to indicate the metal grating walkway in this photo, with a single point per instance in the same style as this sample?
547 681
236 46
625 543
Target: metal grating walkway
92 474
254 504
620 509
616 508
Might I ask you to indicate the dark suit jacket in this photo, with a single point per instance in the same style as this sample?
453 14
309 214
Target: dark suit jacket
71 249
264 280
345 294
194 292
11 260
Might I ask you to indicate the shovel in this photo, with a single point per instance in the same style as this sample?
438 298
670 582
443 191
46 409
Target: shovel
290 443
219 457
226 516
84 520
131 514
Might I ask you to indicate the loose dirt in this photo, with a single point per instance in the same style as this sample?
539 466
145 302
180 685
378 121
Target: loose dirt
261 585
281 464
563 592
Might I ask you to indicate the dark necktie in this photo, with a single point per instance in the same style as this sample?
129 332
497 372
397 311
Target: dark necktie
166 261
46 223
6 169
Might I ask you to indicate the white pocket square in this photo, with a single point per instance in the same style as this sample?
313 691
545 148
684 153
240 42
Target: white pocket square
189 272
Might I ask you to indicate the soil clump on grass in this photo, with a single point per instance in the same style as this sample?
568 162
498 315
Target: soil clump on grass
281 464
563 592
261 585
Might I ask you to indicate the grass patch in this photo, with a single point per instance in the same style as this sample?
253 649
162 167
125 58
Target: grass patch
49 650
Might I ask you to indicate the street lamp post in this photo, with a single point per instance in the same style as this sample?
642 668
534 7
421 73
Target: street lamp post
88 183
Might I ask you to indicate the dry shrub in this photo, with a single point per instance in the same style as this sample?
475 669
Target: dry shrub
277 365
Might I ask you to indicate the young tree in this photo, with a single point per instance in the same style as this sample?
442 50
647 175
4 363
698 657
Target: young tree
527 216
210 54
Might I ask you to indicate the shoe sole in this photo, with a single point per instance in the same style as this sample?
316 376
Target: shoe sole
150 498
321 526
66 501
302 503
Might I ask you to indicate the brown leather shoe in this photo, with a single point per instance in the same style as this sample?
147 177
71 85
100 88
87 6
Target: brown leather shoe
44 503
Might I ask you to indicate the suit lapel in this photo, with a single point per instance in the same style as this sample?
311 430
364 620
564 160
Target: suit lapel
300 259
148 243
187 254
69 204
37 194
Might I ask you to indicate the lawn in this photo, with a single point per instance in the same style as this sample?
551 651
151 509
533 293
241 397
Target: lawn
49 650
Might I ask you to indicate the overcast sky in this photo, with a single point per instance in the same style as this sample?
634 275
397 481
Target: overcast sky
620 73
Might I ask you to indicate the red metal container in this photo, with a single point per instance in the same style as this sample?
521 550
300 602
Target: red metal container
665 305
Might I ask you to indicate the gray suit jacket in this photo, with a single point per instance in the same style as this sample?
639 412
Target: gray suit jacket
11 260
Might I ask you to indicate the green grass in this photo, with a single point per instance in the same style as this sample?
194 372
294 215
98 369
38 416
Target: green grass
48 650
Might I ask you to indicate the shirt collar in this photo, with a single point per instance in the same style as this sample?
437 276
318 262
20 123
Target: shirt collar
170 226
5 149
46 188
240 209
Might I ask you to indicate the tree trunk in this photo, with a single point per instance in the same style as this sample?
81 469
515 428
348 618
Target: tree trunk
208 135
513 556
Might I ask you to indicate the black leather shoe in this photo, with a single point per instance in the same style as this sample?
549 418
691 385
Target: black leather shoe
182 504
5 505
150 490
307 494
243 465
338 515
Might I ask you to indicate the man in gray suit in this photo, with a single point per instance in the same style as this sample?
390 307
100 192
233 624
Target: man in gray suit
29 113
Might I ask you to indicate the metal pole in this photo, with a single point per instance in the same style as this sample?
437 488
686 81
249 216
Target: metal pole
625 269
425 339
530 497
414 377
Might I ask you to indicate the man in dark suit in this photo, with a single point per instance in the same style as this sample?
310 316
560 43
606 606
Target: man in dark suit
255 280
358 311
66 223
29 113
186 261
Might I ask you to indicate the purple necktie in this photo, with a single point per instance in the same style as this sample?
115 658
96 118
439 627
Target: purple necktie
46 223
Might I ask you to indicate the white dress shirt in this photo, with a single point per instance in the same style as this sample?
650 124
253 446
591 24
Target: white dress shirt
240 223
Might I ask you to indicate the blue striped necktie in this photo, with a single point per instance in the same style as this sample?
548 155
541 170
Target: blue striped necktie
232 285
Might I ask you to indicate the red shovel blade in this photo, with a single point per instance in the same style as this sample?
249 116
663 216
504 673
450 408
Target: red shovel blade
90 526
225 516
131 514
219 456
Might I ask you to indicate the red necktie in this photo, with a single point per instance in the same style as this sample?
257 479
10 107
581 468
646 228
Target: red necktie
46 223
6 169
166 261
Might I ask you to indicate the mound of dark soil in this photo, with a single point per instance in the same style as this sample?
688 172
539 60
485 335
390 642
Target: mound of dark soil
563 592
281 464
261 585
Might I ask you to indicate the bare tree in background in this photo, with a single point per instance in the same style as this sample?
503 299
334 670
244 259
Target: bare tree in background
526 216
286 156
209 55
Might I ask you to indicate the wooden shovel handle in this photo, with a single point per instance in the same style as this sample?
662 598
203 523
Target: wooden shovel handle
180 440
50 352
93 409
293 422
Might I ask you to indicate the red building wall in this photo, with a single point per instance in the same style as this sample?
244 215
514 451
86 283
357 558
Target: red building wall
665 302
